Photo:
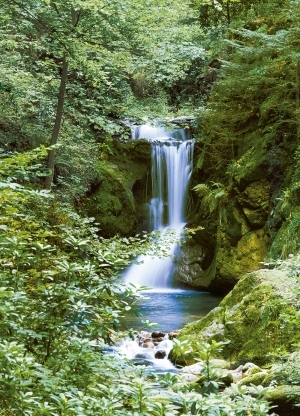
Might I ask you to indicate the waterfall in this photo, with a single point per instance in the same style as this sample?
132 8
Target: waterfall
172 156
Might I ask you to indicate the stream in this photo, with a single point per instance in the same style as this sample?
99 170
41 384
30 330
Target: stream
170 310
166 304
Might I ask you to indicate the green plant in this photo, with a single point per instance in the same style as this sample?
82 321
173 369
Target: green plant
214 199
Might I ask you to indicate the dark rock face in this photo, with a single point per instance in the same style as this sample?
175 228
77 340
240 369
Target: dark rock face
188 263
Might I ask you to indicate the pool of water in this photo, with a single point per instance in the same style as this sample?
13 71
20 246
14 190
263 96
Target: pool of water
170 309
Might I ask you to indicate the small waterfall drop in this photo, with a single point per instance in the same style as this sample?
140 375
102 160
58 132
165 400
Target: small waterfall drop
172 156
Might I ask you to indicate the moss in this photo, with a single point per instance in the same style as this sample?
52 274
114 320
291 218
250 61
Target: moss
255 379
257 317
284 394
233 262
119 193
287 238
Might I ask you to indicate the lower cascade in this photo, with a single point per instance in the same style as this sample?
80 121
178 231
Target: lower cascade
148 349
172 156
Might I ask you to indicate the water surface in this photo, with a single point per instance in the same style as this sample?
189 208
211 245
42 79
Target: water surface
170 309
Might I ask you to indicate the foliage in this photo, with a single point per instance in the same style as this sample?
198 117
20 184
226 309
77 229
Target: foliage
61 299
218 12
214 199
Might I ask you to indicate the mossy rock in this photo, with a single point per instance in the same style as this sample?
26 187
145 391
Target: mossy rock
118 196
256 195
257 317
255 379
286 398
234 261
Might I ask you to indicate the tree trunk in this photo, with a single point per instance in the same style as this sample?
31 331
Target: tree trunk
58 119
298 99
228 12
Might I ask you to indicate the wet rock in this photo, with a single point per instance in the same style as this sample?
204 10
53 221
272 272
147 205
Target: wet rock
160 354
174 334
188 264
158 334
148 345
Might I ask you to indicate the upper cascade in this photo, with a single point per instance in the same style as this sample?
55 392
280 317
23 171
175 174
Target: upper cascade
160 133
172 156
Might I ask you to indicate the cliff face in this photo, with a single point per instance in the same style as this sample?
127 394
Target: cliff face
235 238
119 196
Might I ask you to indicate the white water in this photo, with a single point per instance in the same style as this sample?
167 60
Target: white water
172 157
131 350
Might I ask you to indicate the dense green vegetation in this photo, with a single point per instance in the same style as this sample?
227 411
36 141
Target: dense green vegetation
70 73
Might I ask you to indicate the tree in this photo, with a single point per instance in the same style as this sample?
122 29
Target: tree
220 12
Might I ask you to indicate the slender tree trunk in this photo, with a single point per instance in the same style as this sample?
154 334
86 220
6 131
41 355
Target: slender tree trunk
298 100
58 119
228 12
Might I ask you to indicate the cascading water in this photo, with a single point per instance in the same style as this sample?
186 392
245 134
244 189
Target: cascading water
172 156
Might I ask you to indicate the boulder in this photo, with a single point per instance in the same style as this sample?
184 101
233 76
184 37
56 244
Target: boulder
286 398
160 354
188 264
258 317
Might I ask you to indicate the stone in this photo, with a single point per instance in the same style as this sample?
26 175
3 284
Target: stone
174 334
234 262
195 369
255 379
118 194
246 318
256 195
257 218
188 264
160 354
148 344
285 398
158 335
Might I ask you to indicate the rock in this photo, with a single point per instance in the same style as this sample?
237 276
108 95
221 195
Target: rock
234 261
148 345
188 264
256 195
219 363
174 334
245 317
118 195
250 369
190 378
158 335
285 398
237 374
257 218
255 379
183 120
195 369
160 354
